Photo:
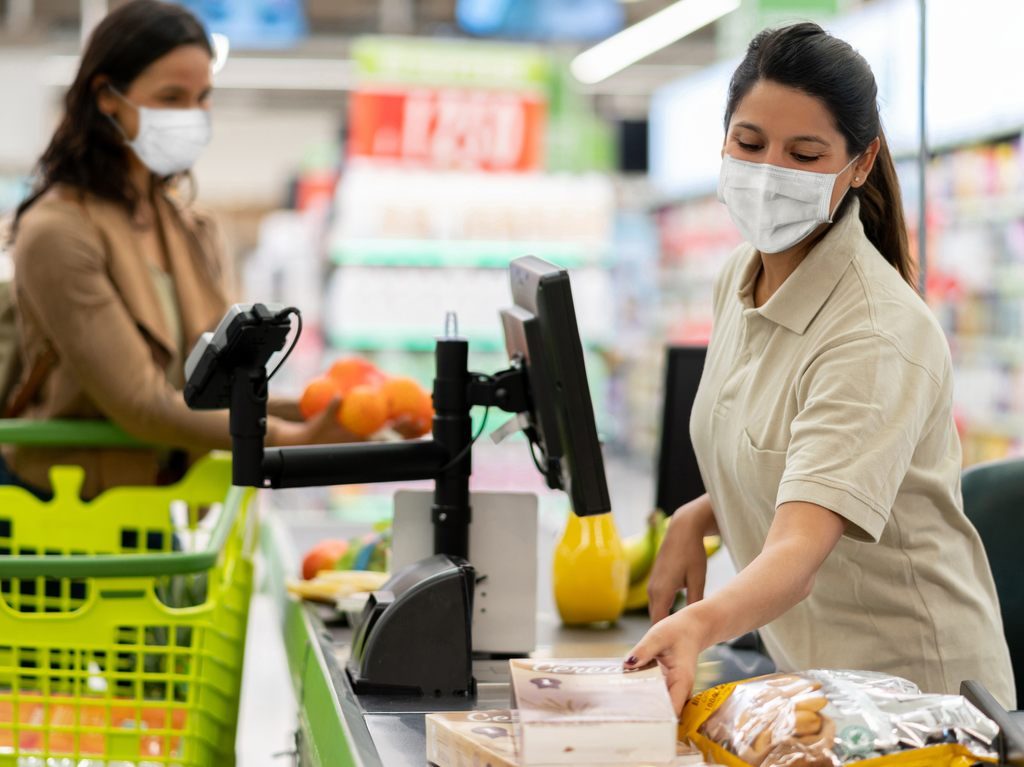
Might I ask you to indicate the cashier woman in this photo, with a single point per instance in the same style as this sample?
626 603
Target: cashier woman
115 275
822 425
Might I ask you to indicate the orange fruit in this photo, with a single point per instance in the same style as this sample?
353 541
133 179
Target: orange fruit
323 556
409 403
404 397
317 396
363 411
350 372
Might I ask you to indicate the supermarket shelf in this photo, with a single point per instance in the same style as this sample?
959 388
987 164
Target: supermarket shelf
680 281
1008 426
473 254
366 341
984 208
1010 279
1007 350
1003 281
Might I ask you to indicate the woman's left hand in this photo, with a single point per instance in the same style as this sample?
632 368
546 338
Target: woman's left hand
284 407
321 429
674 643
781 576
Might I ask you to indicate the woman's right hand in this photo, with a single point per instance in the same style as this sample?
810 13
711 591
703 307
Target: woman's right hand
681 562
321 429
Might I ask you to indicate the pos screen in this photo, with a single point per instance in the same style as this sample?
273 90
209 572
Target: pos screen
542 337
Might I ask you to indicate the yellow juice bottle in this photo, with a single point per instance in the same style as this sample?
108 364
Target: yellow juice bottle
590 571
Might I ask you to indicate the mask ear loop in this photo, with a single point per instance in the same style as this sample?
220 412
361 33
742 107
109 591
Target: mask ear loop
832 213
117 125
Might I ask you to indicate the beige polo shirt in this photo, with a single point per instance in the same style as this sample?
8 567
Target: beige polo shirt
838 391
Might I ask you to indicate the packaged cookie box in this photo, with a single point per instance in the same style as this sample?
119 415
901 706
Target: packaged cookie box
592 711
488 739
836 718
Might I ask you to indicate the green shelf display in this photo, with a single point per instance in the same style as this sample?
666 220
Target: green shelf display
408 342
1000 425
1006 350
360 341
472 254
996 208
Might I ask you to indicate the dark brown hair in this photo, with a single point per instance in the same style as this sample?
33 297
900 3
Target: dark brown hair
806 58
87 150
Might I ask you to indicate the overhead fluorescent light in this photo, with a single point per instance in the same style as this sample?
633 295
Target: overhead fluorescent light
645 37
221 50
245 73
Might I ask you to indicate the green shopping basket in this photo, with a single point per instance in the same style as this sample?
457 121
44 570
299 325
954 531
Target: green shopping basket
122 620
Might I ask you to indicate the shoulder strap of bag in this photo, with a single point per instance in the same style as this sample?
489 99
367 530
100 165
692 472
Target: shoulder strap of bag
23 395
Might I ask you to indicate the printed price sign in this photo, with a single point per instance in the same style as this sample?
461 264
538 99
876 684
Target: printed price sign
448 128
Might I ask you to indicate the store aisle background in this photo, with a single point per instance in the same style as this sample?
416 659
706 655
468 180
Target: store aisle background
306 197
267 716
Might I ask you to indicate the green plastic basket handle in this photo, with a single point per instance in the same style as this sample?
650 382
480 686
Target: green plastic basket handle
64 433
67 482
68 479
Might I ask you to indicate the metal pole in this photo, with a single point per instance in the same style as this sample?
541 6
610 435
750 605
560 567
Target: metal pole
19 16
93 12
453 429
922 154
396 17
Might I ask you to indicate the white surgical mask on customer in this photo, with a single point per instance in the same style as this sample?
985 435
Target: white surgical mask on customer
775 208
169 140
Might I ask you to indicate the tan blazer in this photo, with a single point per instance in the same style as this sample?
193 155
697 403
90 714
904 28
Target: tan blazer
82 282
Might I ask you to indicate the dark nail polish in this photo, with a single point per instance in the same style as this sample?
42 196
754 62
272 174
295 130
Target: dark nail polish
631 660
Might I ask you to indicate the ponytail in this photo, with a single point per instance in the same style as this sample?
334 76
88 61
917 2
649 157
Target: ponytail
881 213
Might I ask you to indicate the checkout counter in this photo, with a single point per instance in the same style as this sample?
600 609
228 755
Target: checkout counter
337 726
363 692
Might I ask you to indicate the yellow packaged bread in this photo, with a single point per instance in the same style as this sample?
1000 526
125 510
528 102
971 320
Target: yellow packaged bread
835 718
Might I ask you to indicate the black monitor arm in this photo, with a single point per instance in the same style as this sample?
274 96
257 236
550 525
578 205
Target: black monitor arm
446 458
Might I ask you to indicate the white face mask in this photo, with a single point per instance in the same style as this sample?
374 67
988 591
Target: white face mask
775 208
169 140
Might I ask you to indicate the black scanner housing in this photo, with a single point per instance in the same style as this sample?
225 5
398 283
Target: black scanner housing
414 634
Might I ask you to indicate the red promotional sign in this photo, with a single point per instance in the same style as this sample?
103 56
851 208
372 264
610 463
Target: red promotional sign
451 129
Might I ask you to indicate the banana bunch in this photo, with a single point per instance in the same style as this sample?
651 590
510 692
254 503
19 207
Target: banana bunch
641 550
331 585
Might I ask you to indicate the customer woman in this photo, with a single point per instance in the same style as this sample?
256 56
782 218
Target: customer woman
822 424
115 275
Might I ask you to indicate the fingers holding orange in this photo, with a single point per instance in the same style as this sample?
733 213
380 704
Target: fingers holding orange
370 400
412 427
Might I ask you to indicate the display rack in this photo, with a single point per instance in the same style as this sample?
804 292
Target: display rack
443 244
446 241
695 238
976 288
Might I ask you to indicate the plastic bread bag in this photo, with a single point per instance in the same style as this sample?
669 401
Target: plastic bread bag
835 718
